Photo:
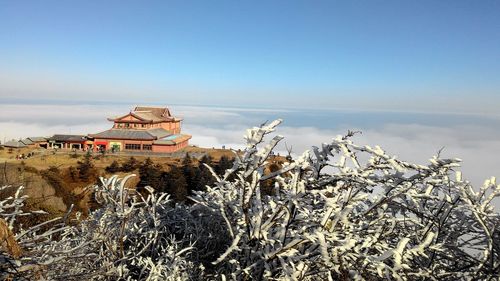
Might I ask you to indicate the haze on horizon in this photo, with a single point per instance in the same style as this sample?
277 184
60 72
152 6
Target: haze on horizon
431 56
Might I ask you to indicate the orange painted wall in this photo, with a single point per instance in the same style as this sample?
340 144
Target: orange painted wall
136 142
130 118
169 148
174 127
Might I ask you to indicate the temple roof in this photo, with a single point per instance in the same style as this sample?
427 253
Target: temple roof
14 144
172 139
149 114
129 134
27 141
156 111
37 139
159 132
62 138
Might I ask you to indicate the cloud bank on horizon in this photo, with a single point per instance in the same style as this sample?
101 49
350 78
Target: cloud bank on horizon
473 139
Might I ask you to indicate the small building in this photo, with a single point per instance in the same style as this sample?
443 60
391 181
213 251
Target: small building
143 129
27 142
14 144
32 142
40 142
68 141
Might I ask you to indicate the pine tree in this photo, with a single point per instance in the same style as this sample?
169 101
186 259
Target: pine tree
206 159
224 164
130 165
205 177
113 167
191 173
187 160
72 173
85 168
150 174
174 183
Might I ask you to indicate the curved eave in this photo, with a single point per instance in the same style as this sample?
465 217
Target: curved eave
117 119
182 139
143 121
119 138
132 121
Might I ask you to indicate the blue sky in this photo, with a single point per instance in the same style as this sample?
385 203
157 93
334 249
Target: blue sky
378 55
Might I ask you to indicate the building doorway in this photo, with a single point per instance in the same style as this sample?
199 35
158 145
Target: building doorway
76 146
115 146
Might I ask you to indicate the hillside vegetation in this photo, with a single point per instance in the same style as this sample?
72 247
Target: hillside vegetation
54 182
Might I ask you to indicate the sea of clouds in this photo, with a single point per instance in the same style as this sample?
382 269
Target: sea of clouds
411 136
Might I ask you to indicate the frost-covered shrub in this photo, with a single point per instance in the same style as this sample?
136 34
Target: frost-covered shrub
337 212
10 207
126 238
372 219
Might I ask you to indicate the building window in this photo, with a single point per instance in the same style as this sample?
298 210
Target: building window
132 146
127 125
143 125
147 147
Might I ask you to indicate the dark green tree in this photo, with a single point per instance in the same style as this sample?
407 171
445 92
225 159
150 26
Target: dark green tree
113 167
206 159
174 183
73 173
150 174
224 164
191 173
86 167
53 177
187 161
205 177
130 165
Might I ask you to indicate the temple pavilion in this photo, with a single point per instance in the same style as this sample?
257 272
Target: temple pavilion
145 128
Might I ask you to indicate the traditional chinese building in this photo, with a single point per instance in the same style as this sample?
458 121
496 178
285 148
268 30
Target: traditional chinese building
38 142
31 142
68 142
14 144
143 129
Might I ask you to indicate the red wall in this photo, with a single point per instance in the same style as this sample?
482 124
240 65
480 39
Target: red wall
123 142
156 148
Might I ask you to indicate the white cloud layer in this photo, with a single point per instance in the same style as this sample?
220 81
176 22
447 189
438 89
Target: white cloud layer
477 144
